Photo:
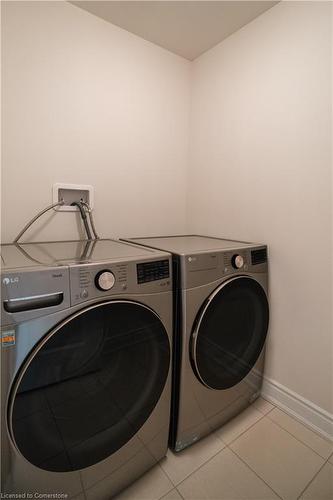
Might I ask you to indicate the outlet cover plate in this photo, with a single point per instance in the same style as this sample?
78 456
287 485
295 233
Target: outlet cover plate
70 193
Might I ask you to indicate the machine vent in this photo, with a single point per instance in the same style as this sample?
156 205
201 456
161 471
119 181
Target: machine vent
258 256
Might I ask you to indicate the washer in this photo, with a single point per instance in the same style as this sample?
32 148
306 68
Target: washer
221 322
86 347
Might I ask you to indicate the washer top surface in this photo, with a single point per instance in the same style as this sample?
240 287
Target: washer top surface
58 253
184 245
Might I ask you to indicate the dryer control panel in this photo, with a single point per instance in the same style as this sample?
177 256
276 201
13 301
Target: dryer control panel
235 261
206 267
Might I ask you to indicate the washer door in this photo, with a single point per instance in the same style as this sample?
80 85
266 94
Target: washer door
89 386
230 333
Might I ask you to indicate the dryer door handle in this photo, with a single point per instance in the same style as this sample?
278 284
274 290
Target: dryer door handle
34 302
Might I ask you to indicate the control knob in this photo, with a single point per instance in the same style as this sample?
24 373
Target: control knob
237 261
104 280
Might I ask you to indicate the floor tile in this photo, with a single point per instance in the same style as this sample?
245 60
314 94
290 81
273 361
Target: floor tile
151 486
320 445
225 477
172 495
282 461
239 424
262 405
321 488
180 465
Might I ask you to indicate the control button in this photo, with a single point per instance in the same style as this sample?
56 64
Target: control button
237 261
84 294
105 280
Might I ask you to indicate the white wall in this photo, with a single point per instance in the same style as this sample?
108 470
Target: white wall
261 171
86 102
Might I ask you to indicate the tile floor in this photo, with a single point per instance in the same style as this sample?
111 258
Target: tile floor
262 454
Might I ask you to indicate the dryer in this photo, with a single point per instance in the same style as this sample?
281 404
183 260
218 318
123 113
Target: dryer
85 366
221 321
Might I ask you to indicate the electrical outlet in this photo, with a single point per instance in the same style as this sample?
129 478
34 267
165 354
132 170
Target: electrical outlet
70 193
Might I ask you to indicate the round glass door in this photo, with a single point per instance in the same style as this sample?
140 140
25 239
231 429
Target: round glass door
89 386
230 333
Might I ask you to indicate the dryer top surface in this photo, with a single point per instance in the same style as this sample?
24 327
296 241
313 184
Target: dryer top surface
64 253
189 244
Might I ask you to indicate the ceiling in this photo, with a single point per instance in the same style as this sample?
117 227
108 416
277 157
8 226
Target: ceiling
187 28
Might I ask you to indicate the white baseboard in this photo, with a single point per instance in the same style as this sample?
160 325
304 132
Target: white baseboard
318 419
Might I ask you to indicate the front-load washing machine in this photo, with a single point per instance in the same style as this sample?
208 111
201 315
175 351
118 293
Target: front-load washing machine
221 320
85 355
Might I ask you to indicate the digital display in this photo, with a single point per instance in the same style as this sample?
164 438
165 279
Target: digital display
258 256
153 271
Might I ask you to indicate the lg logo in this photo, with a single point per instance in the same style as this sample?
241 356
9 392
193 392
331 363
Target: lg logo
7 281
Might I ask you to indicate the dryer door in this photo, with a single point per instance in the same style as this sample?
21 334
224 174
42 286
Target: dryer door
230 332
89 386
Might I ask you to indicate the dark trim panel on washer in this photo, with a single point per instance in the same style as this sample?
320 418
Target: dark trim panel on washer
177 349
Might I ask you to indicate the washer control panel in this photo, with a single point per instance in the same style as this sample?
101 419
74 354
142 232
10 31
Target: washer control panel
94 281
152 271
105 280
99 281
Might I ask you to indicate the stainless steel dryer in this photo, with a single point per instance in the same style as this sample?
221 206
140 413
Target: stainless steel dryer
221 321
86 338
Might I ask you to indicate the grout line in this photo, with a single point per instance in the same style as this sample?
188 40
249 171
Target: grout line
314 477
83 488
273 422
203 463
295 437
167 475
267 412
166 493
254 472
200 466
263 397
180 493
247 429
302 422
270 410
225 445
